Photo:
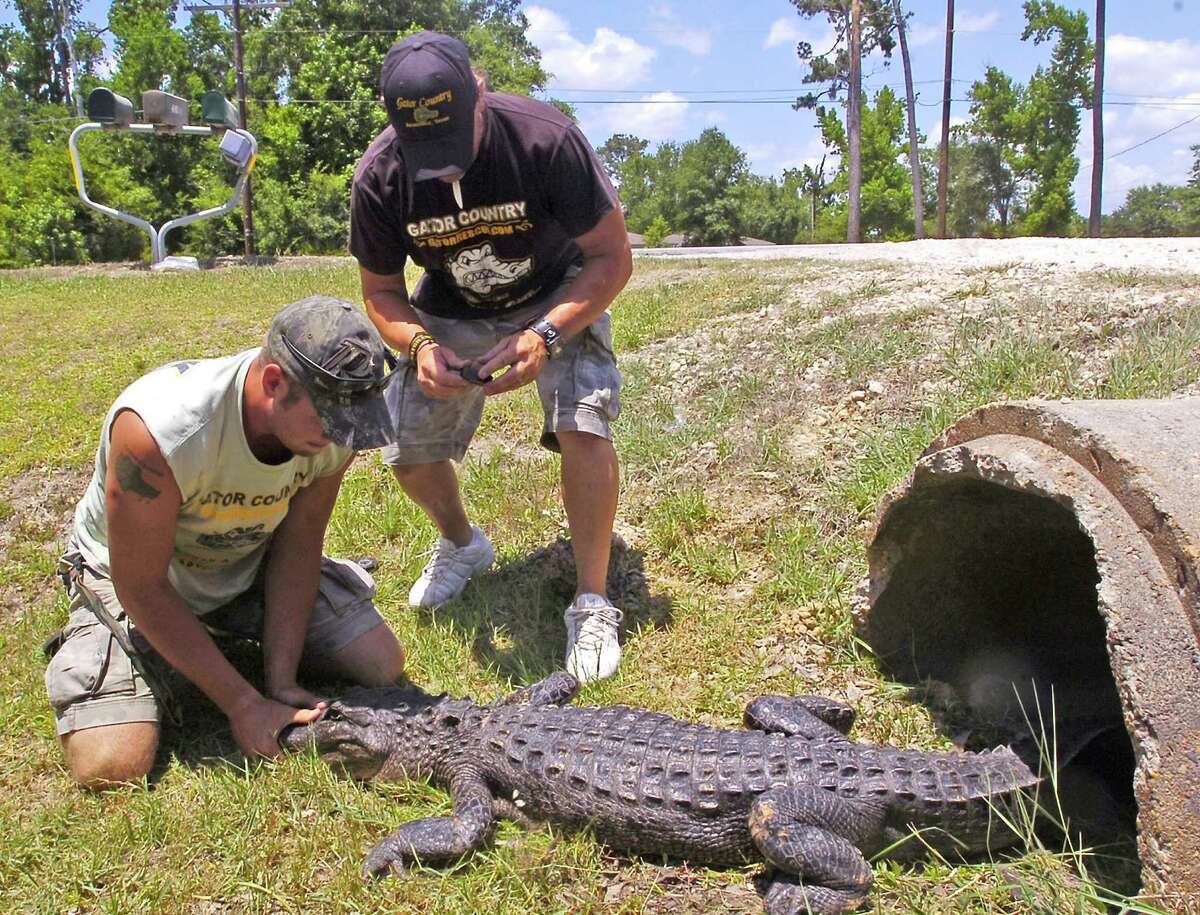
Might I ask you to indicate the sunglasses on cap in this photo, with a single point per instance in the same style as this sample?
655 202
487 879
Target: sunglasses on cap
335 375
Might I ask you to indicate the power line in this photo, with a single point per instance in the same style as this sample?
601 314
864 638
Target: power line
1163 106
1141 143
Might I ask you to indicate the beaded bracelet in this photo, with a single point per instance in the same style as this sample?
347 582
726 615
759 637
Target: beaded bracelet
415 344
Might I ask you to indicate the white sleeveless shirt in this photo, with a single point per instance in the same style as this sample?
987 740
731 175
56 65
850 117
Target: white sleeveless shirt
232 501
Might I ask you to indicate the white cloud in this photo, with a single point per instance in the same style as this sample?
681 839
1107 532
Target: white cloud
790 30
656 117
694 41
934 136
1141 66
784 30
609 61
925 33
676 32
934 31
768 159
1127 125
976 22
1166 161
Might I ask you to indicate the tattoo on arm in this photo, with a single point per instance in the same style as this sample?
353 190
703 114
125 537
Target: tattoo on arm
130 478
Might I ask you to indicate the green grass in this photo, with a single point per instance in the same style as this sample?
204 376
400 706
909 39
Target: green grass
1161 358
739 571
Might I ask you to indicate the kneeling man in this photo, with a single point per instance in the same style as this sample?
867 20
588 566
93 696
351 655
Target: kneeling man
214 483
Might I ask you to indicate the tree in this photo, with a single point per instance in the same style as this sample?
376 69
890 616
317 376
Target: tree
860 27
887 190
773 209
914 140
971 210
1158 210
313 71
1033 129
36 58
994 127
656 232
644 182
812 183
617 151
709 169
854 128
1048 118
832 66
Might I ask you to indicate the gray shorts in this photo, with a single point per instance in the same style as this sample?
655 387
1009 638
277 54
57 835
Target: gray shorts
92 682
579 388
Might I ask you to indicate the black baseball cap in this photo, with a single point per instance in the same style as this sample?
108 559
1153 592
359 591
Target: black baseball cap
430 93
331 348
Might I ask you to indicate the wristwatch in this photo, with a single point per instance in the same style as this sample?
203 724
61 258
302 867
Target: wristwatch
550 336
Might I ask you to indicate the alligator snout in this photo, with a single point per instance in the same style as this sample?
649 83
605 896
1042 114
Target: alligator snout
295 737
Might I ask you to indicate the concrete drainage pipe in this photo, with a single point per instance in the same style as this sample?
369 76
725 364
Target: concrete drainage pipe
1047 546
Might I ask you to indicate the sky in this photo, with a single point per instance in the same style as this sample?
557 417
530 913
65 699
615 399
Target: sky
672 61
668 70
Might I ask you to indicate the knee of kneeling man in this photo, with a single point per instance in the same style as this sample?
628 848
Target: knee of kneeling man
92 776
390 669
110 767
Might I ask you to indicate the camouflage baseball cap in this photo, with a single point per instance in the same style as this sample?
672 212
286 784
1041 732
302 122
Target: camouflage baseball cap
335 352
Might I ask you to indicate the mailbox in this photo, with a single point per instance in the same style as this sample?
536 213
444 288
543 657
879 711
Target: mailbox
164 108
218 110
237 149
107 107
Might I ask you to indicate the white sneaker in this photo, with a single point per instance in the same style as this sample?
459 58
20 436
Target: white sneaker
450 568
593 651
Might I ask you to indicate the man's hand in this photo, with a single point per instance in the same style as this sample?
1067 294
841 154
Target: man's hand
525 354
438 372
297 697
257 721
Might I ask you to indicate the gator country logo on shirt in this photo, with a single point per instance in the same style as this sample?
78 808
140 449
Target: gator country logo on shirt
454 229
479 270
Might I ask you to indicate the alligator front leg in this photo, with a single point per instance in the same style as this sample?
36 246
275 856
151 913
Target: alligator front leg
814 835
811 717
439 840
557 689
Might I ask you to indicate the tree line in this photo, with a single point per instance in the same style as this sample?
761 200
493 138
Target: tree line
312 70
312 73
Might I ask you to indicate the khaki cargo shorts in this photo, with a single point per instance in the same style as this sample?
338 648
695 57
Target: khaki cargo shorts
578 388
92 682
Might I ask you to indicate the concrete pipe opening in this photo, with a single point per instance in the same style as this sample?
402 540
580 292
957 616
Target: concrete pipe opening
1039 565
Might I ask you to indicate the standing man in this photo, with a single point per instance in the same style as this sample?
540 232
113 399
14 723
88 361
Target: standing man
214 483
504 204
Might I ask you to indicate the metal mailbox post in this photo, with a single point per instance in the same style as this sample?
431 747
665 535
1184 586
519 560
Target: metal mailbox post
165 113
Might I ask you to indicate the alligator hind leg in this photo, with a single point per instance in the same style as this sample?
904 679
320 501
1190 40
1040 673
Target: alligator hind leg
438 840
813 717
812 835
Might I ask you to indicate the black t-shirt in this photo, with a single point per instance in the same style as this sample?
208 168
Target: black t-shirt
535 186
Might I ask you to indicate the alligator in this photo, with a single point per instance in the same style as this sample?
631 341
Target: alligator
792 789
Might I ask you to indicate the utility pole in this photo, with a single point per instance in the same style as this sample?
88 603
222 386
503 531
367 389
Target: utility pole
1097 126
944 158
234 11
854 125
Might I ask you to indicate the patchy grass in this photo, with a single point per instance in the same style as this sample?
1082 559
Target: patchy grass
747 477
